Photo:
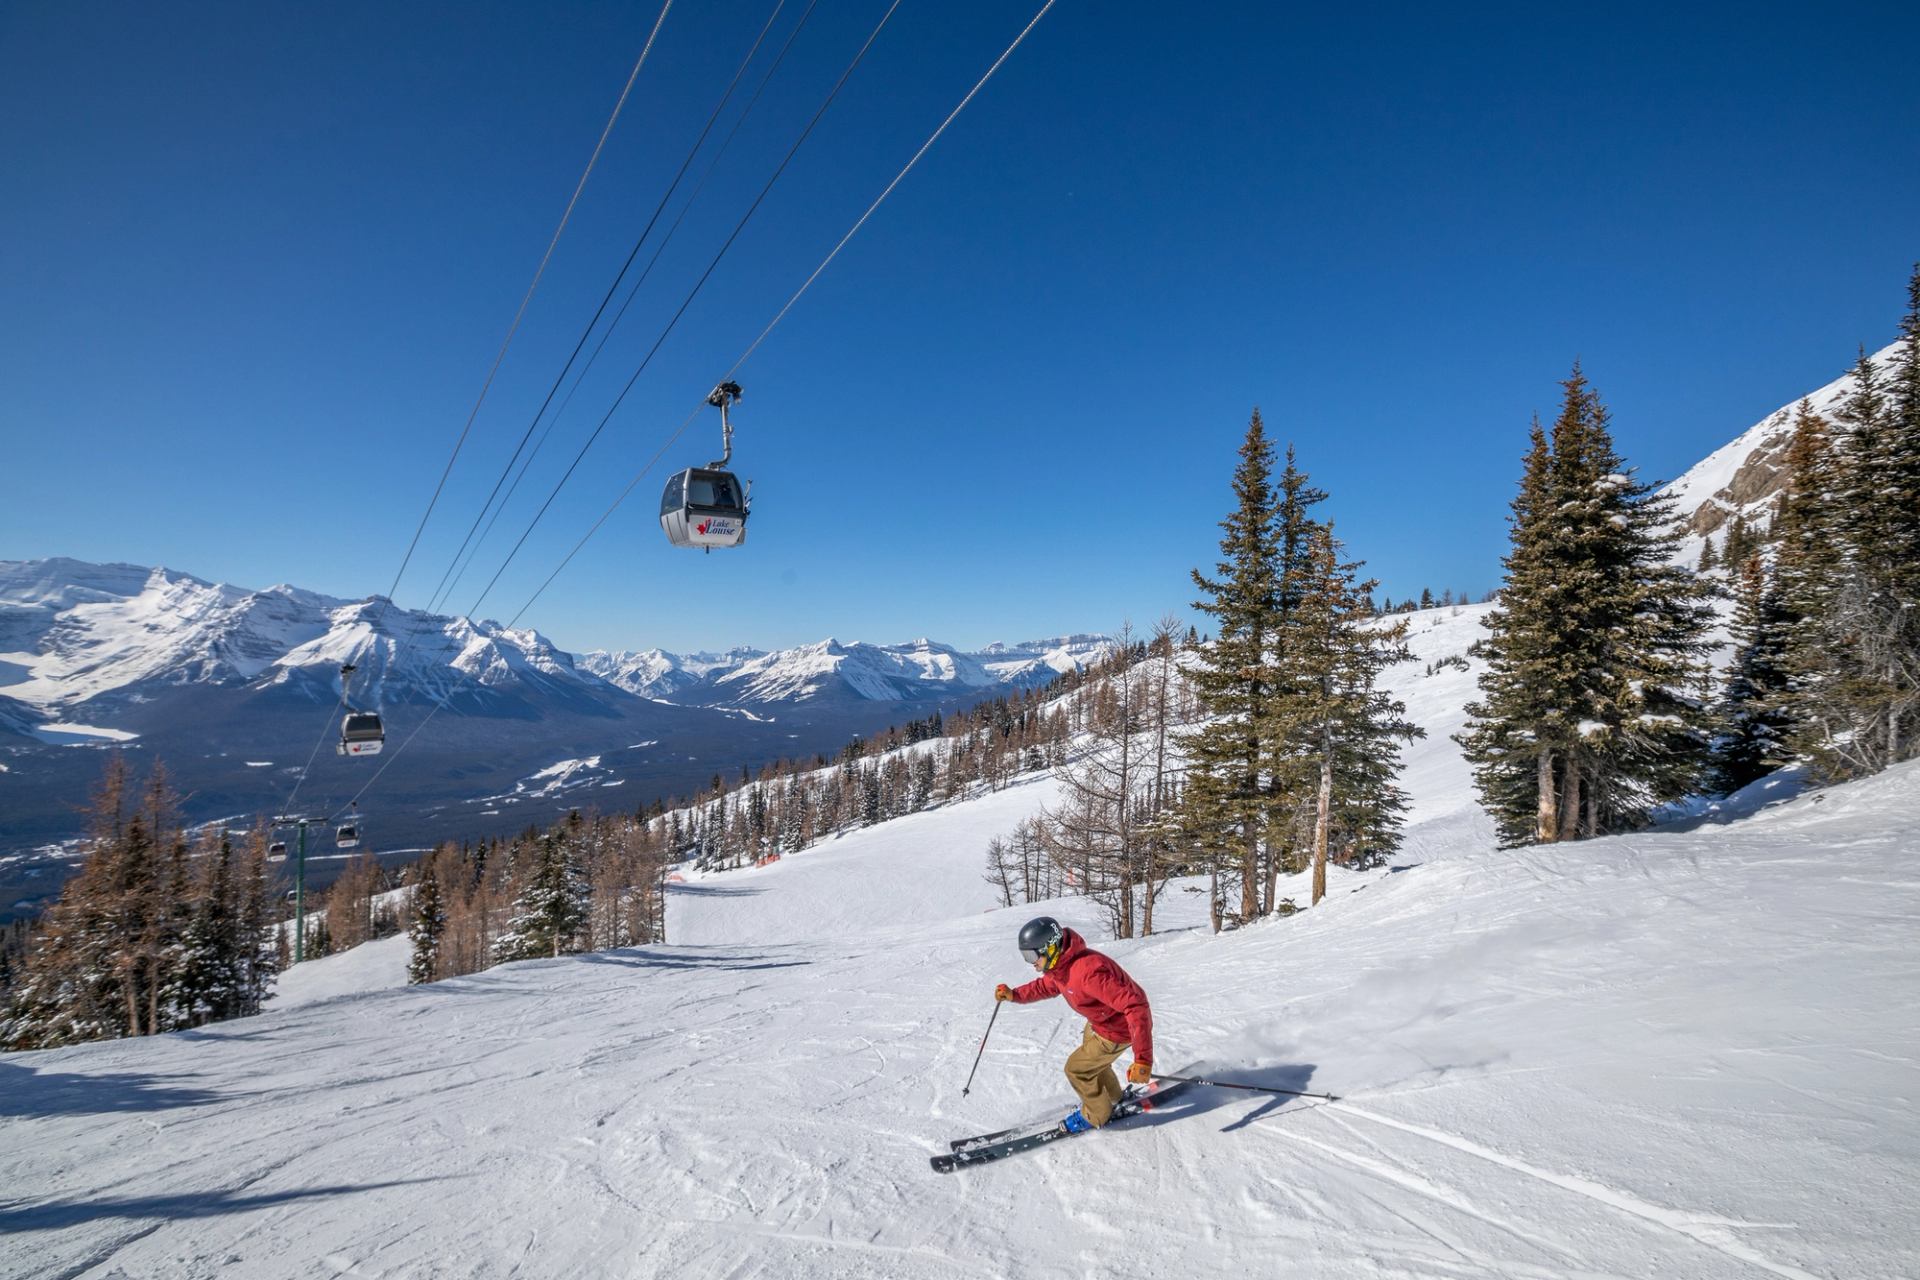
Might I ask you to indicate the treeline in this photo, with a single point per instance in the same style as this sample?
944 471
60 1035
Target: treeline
791 805
155 933
595 882
1597 707
1427 600
159 932
588 883
1827 609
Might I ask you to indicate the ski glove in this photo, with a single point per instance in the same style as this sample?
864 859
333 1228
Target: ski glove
1003 992
1140 1072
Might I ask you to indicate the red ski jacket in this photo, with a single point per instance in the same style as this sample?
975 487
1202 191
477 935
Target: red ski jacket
1100 991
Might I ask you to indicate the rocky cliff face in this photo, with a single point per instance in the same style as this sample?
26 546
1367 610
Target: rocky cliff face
1745 476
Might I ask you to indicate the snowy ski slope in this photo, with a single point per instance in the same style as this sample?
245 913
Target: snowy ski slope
1686 1053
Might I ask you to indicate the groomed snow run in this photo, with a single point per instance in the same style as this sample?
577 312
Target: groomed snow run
1686 1053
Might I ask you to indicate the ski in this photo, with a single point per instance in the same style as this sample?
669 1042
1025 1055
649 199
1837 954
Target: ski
1122 1108
998 1150
988 1147
998 1135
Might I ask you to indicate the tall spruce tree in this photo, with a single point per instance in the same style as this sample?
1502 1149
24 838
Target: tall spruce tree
1291 775
1754 726
550 909
428 925
1515 730
1338 731
1741 542
1595 648
1852 575
1224 809
1877 609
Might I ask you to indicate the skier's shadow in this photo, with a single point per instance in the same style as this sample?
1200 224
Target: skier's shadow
1199 1099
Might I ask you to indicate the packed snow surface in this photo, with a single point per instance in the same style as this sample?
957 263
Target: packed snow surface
368 967
1688 1052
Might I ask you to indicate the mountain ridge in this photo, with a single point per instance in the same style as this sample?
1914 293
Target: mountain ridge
230 686
64 625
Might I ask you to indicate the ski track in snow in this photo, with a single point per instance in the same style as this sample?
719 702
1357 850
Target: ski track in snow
1685 1053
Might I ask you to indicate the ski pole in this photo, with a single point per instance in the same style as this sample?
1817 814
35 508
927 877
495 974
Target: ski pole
1254 1088
983 1049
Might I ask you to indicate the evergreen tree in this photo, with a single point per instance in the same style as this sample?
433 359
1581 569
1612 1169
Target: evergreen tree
1875 613
1753 723
1290 772
1339 729
1597 643
1850 570
1515 730
1224 810
1902 479
1861 517
550 909
1740 544
429 923
204 985
259 928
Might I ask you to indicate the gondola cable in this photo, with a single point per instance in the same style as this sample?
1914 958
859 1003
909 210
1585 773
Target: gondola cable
687 302
512 329
828 101
807 284
613 288
632 292
692 294
518 315
753 347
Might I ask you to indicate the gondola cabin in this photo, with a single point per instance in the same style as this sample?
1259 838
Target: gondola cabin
361 734
277 851
704 507
348 836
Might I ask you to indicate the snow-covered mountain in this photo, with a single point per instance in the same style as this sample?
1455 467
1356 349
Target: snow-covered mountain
832 669
230 686
1745 475
655 673
72 633
900 671
75 634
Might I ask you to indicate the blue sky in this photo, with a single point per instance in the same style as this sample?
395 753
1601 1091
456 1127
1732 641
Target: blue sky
256 260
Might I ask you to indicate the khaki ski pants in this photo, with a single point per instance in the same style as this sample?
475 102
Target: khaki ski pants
1090 1072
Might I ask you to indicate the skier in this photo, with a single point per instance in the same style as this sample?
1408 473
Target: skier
1099 990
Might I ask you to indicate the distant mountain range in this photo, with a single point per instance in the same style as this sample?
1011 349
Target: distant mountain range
234 688
832 670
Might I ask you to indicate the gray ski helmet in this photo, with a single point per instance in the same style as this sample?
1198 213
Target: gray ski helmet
1042 938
